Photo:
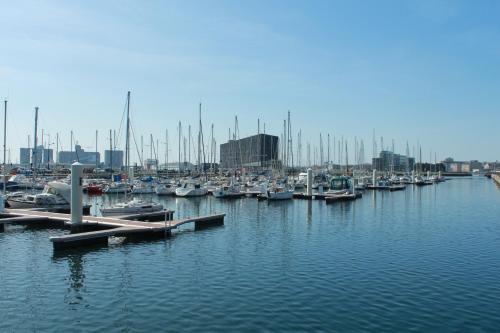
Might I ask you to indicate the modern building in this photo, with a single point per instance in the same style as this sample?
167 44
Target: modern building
174 166
79 155
389 161
259 150
42 155
451 165
115 157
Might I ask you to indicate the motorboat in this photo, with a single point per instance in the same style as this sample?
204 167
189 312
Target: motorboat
134 206
277 192
340 185
56 196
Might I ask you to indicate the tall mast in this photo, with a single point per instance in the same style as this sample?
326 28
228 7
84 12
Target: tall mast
212 150
4 145
127 138
35 143
189 144
199 140
111 151
166 150
96 161
57 148
180 128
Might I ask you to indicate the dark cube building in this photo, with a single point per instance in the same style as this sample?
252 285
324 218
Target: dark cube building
259 150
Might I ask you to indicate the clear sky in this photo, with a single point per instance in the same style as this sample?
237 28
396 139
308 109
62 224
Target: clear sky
426 71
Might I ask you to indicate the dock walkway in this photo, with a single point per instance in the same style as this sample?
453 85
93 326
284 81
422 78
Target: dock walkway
97 229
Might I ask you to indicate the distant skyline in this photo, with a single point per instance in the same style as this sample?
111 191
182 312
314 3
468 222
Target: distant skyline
422 71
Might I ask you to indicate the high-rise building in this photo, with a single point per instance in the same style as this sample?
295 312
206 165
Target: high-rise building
389 161
259 150
41 155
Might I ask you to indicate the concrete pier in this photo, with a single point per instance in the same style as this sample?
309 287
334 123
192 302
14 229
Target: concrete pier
496 178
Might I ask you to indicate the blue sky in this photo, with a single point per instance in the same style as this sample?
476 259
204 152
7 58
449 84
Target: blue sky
426 71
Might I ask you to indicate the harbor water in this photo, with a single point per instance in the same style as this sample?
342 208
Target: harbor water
425 259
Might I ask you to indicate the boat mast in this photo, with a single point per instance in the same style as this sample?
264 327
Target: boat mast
127 139
111 152
96 160
180 128
4 146
57 148
166 150
35 143
199 140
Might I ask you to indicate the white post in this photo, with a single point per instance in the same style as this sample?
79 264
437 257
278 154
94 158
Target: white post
428 174
309 182
374 177
413 176
2 203
131 173
76 193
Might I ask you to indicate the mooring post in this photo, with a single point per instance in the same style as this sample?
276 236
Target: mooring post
2 208
309 182
168 231
76 197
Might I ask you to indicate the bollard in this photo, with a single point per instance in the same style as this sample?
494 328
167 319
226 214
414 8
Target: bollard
309 182
374 177
76 197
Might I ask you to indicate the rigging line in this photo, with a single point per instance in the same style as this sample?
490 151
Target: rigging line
121 124
136 146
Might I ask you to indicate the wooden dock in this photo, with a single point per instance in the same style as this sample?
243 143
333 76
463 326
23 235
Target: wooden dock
97 230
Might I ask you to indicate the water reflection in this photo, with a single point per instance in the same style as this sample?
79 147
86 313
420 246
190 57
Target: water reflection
76 278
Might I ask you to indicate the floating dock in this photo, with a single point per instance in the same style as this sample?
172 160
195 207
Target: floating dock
97 230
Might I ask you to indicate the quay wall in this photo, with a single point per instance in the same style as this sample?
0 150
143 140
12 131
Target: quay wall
496 178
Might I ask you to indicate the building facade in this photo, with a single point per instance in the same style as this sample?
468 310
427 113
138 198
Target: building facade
389 161
259 150
79 155
41 155
113 159
456 166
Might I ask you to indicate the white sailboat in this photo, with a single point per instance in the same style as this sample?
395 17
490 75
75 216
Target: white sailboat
135 206
190 189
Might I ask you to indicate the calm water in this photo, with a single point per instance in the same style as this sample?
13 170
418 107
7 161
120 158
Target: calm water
426 259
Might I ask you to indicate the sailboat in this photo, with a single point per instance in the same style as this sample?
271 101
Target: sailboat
135 206
232 190
191 189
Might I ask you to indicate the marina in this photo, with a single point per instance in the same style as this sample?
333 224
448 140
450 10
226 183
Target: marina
336 248
250 166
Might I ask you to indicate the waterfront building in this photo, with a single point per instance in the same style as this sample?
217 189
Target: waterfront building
42 156
174 166
79 155
259 150
388 161
115 157
451 165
